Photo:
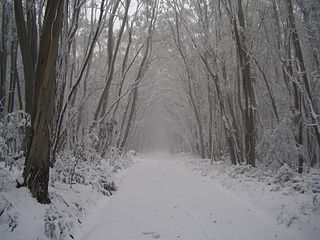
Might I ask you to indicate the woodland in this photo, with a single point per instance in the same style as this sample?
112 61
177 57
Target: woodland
230 80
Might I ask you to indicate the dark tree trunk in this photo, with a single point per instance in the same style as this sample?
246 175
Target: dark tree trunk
248 89
124 117
13 76
302 85
36 171
3 56
27 34
210 125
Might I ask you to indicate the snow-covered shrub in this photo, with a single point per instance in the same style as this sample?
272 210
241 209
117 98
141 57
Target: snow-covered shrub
4 205
112 156
8 216
3 148
239 169
307 183
57 224
132 153
85 166
81 169
13 129
278 146
285 174
6 180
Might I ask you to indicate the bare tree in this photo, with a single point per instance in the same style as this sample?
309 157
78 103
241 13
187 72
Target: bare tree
146 58
113 49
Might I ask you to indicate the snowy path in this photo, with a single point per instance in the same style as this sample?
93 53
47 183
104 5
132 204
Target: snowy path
159 199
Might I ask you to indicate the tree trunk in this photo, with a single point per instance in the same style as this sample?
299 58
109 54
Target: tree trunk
142 70
112 56
303 85
13 76
124 117
3 56
199 125
36 171
210 125
248 89
27 34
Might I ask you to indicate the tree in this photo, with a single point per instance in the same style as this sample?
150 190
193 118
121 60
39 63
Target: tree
28 40
113 49
248 88
146 59
4 21
36 171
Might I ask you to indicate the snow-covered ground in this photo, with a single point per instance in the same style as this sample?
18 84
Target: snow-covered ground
162 199
179 197
22 217
283 196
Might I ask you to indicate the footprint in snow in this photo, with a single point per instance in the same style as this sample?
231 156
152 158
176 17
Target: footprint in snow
156 236
152 234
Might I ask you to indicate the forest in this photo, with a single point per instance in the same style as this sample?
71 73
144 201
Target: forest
85 83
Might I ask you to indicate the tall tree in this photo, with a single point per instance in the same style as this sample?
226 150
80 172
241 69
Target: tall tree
244 57
113 49
4 23
144 64
28 40
301 86
36 171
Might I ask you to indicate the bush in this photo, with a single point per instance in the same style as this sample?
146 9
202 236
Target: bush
278 147
85 166
13 128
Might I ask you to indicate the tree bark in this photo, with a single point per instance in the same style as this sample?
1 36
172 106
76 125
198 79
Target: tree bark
3 56
248 89
302 88
36 171
27 34
13 76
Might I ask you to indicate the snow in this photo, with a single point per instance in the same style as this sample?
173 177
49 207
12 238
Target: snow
22 217
171 197
161 199
289 199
